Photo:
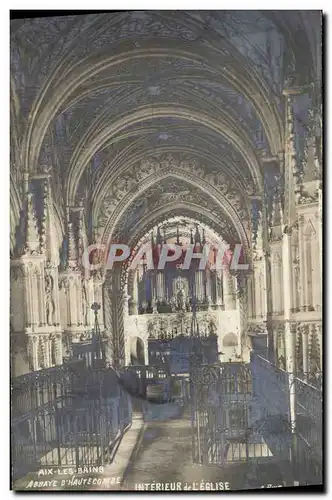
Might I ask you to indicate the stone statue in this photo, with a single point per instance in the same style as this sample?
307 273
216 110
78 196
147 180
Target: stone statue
181 299
50 309
173 303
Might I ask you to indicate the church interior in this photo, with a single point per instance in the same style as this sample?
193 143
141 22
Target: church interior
167 127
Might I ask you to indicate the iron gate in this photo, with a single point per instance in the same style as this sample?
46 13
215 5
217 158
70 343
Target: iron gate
66 416
220 408
226 423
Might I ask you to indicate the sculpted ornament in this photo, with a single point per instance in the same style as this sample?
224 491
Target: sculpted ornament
146 168
257 328
257 255
41 353
150 166
305 198
63 283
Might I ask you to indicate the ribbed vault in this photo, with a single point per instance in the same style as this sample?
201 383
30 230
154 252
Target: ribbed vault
94 96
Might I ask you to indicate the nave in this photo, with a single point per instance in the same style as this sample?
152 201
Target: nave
186 130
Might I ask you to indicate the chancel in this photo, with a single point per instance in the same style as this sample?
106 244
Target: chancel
160 304
201 130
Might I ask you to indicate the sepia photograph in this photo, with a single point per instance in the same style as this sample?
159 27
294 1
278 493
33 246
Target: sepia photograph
166 243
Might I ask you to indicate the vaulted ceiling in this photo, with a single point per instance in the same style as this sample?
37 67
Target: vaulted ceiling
96 98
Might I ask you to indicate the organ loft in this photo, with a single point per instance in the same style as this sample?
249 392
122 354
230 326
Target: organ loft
140 129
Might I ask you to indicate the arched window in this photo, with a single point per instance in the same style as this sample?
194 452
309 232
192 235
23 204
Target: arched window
230 340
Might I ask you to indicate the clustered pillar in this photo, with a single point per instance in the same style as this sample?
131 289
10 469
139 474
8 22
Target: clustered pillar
50 300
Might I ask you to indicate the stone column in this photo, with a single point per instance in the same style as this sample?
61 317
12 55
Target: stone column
315 344
208 290
251 307
73 315
306 243
295 273
33 352
33 290
108 318
74 329
265 284
277 283
29 300
316 276
199 285
225 285
134 292
160 285
319 228
302 263
290 344
41 300
98 296
125 298
48 350
118 303
289 219
304 333
151 276
318 329
90 299
219 288
146 351
257 294
57 346
228 289
79 297
241 301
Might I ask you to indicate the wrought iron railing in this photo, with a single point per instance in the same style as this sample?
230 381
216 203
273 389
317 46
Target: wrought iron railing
271 385
67 416
291 408
37 389
312 379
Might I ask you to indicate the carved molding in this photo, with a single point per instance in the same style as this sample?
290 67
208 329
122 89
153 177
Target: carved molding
216 183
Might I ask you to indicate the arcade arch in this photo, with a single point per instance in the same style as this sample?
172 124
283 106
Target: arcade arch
122 122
